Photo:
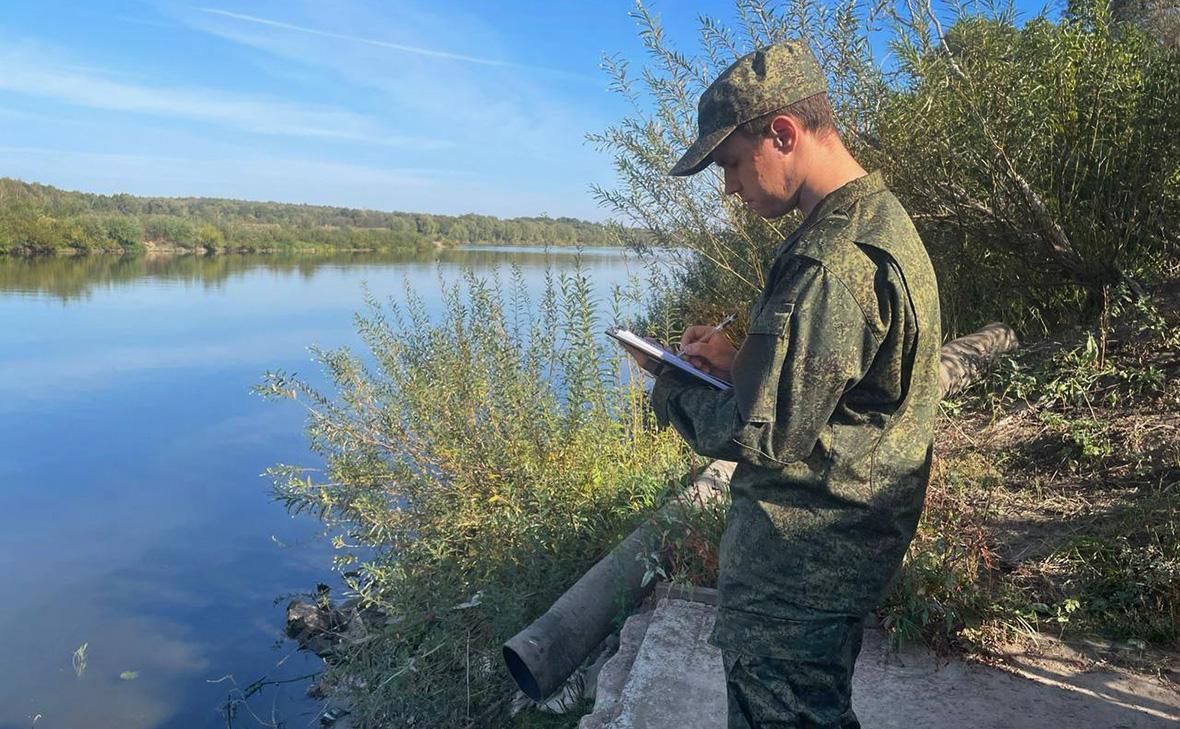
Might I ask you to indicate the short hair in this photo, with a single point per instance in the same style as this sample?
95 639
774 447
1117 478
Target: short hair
813 112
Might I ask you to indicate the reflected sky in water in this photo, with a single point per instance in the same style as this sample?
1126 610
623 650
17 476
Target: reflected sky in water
135 518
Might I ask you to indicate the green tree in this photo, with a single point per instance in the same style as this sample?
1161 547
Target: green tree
124 222
124 231
1040 162
210 237
1158 18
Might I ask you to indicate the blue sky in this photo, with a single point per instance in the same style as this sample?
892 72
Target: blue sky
444 107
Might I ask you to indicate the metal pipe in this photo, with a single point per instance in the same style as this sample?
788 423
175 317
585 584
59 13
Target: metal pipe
964 359
542 656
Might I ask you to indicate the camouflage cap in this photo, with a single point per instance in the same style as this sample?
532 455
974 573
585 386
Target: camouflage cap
758 83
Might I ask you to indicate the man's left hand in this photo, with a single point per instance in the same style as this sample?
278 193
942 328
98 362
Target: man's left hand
648 364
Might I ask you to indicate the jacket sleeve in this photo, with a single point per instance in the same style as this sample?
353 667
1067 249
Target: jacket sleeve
808 345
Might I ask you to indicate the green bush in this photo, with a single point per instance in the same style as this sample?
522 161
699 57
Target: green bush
475 467
1041 163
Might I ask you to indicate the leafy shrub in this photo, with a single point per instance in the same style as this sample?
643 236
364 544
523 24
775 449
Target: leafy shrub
475 467
1041 163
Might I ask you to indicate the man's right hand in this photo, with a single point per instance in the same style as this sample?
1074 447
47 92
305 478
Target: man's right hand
708 351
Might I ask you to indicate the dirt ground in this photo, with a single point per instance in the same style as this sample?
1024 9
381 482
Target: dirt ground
1069 459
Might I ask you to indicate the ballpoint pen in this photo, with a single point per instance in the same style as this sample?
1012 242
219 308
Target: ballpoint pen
709 334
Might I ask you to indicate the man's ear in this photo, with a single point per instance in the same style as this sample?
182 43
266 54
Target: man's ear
785 130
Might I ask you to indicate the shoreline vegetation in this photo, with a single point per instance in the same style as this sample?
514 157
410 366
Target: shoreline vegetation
42 220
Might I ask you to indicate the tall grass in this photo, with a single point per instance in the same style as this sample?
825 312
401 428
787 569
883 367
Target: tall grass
475 467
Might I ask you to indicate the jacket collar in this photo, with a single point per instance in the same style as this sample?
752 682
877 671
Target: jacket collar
845 196
835 201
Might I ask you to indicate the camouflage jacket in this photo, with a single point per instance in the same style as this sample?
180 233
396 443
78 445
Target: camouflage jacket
830 420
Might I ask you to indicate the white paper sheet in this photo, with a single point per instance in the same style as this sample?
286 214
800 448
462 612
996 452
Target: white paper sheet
655 351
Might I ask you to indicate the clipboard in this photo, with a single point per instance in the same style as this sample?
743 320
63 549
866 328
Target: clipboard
655 351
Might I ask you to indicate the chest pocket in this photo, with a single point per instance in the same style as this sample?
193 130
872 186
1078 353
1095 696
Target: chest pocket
758 365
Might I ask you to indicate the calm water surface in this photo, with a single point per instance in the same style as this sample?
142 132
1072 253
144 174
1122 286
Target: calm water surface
135 520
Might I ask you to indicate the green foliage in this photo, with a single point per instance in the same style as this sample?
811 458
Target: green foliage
1082 377
1126 589
41 219
1118 576
1158 18
1041 162
688 532
1087 439
209 237
1119 580
1098 498
475 467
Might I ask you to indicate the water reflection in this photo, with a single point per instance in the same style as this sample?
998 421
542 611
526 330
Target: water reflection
76 277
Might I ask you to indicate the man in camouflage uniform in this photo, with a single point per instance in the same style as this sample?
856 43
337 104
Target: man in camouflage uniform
834 395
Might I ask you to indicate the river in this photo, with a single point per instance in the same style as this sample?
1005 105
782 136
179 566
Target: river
136 521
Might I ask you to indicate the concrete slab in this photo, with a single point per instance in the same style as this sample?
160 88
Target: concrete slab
613 675
676 681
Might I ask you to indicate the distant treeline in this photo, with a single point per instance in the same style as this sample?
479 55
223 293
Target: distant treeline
39 219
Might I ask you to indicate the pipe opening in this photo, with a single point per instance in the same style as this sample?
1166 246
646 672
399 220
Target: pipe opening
522 675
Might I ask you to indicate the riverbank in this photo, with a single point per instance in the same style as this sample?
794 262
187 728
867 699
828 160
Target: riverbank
1051 511
152 248
39 219
156 248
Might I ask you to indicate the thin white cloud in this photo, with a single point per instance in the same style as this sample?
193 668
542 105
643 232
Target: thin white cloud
357 39
38 75
518 112
430 52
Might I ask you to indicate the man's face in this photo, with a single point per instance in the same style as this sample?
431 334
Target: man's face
760 172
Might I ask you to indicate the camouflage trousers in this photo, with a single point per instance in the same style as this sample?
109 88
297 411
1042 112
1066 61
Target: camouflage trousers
807 684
